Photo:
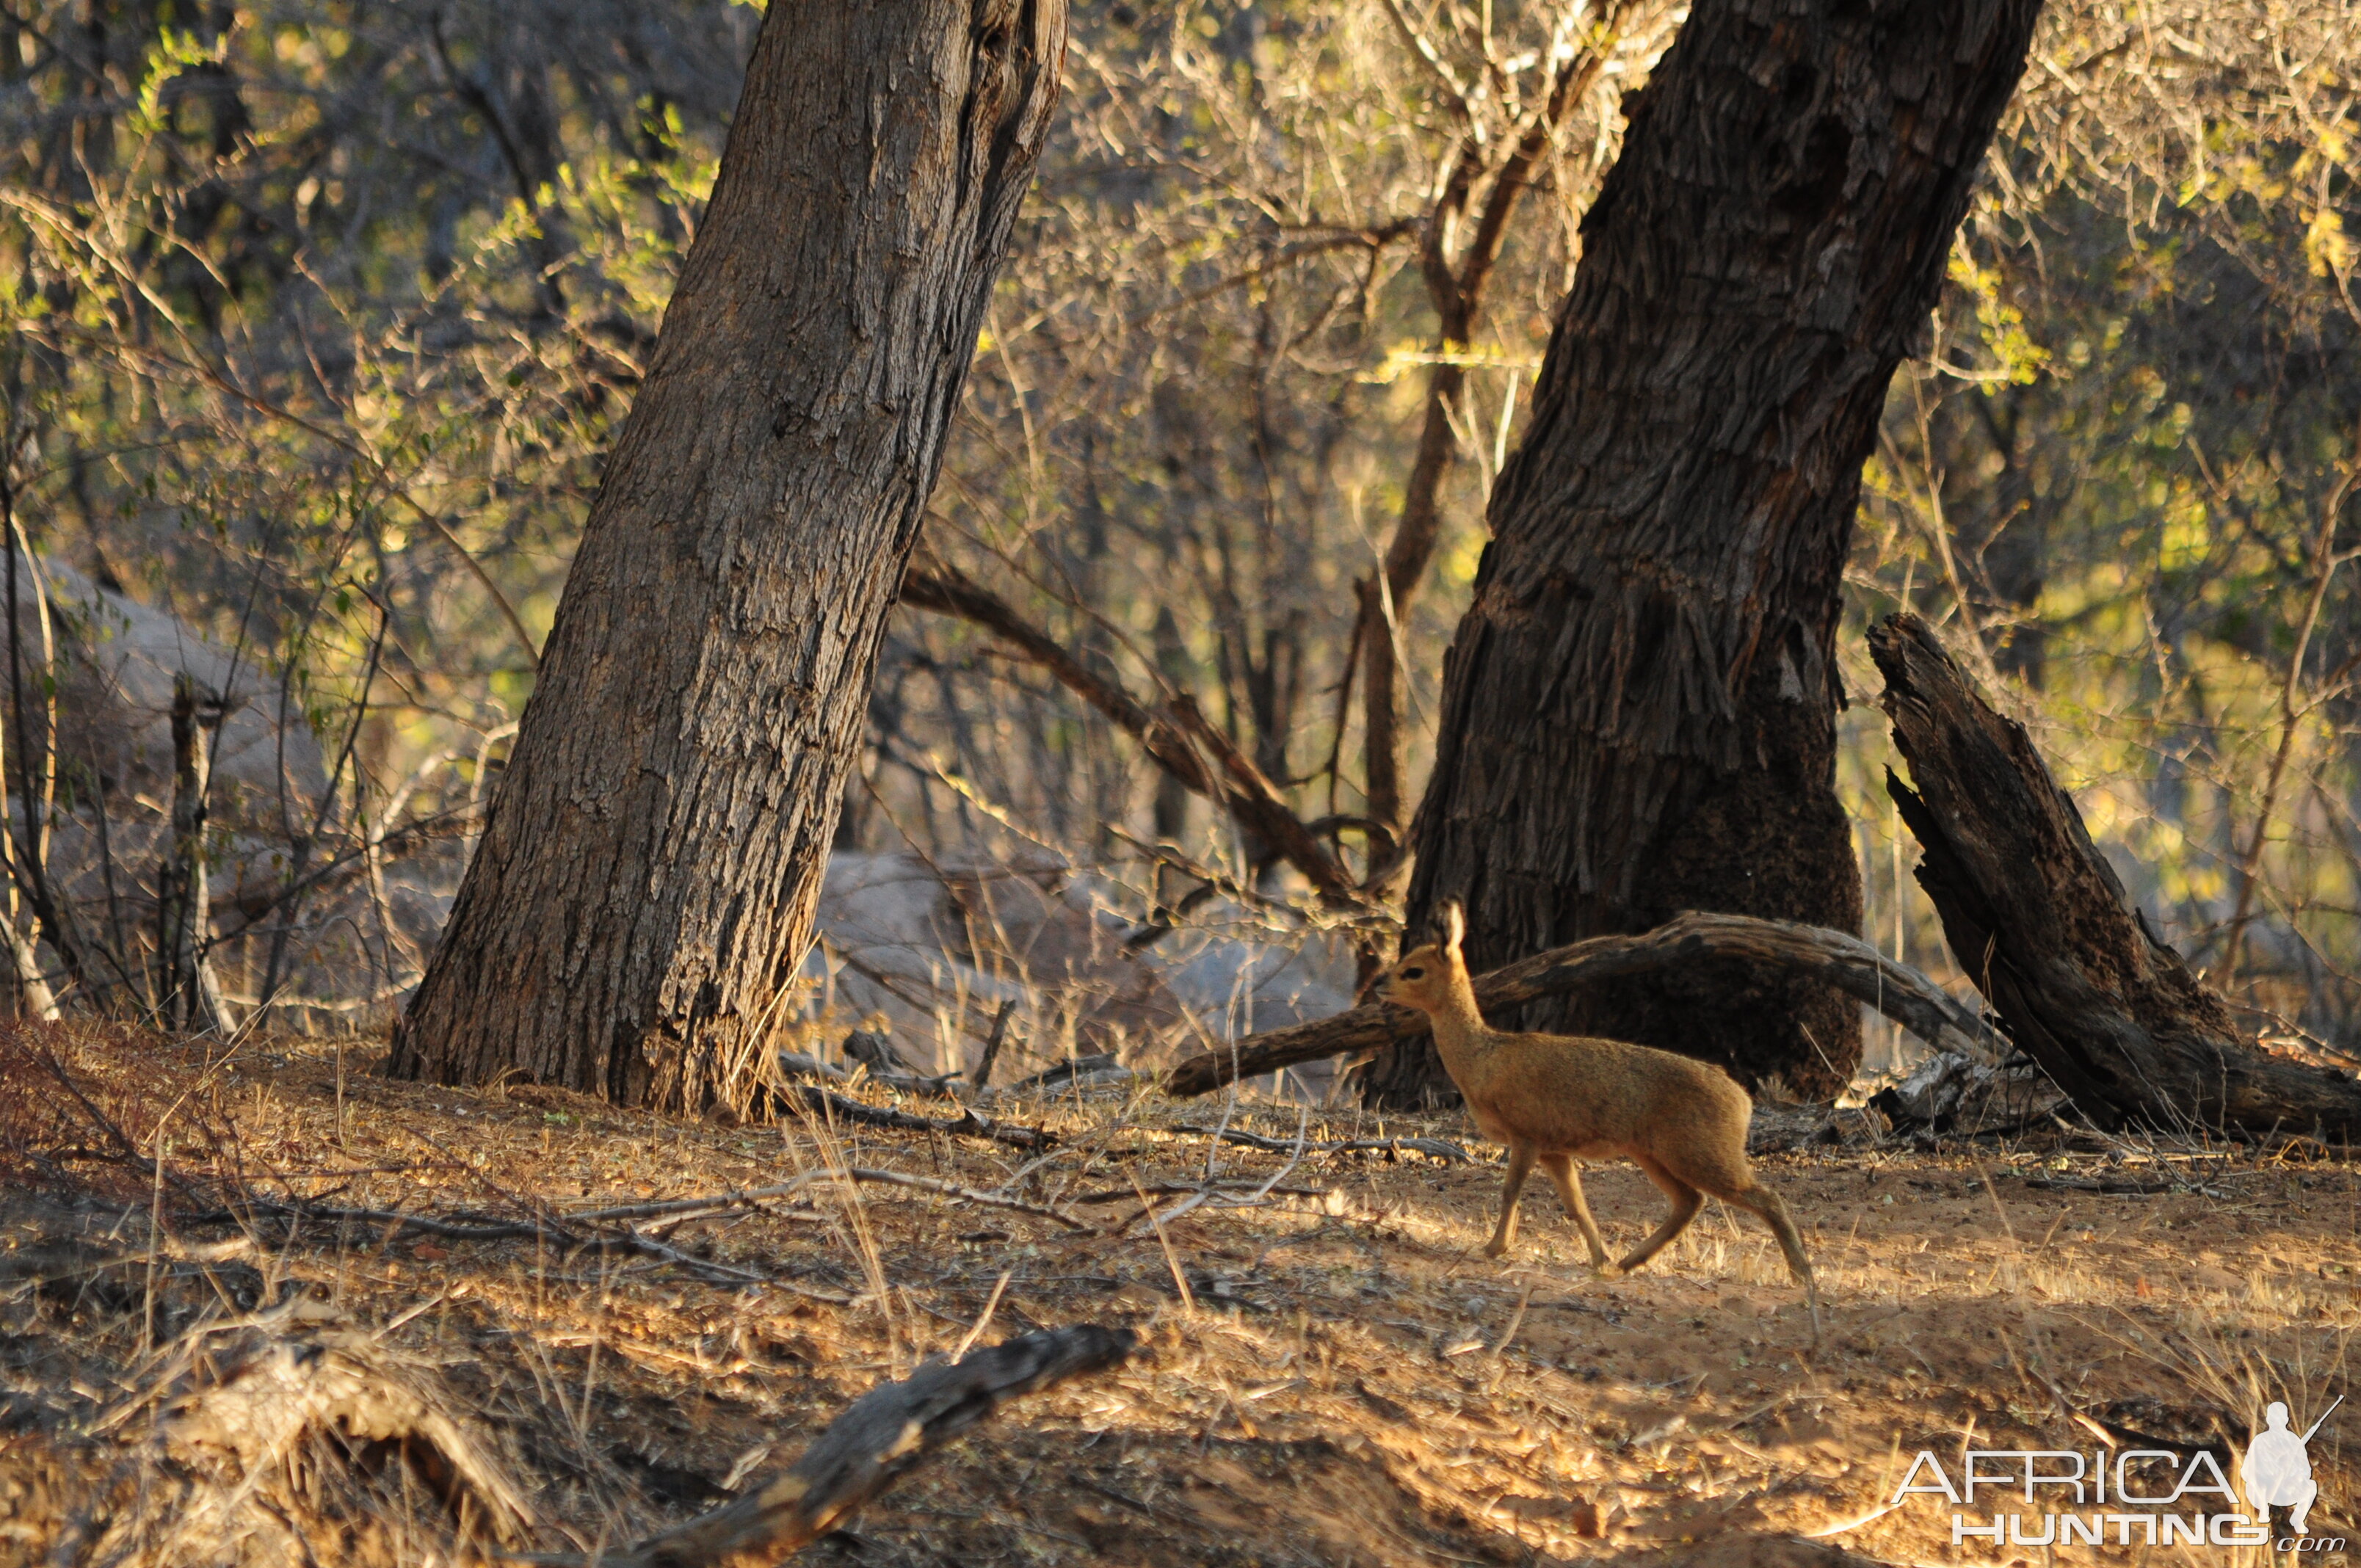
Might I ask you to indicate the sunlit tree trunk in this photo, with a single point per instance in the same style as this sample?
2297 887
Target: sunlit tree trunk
645 886
1639 710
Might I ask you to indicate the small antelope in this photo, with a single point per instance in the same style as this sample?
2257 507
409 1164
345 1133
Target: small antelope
1551 1098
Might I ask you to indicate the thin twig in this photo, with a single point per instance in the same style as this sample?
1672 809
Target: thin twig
992 1044
1191 1190
984 1318
1171 1258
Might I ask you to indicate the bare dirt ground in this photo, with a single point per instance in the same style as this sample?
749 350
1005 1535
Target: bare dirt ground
1333 1374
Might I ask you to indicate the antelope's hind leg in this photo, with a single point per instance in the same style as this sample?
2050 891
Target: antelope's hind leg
1686 1201
1772 1210
1521 1165
1568 1183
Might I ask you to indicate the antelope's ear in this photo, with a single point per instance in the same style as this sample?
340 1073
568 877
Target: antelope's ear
1454 925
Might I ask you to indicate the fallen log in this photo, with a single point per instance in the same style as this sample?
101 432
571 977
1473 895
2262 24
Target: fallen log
885 1433
1851 965
2044 929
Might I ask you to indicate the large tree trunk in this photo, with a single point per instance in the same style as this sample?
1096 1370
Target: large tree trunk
645 886
2044 929
1639 710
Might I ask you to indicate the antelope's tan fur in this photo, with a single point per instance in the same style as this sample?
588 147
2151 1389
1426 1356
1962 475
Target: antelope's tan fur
1553 1099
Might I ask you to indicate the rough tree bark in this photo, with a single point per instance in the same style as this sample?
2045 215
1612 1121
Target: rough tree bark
2043 927
647 883
1639 708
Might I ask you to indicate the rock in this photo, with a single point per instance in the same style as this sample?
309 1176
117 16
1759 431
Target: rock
118 659
937 949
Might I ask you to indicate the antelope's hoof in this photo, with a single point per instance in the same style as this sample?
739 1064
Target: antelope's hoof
1495 1247
1608 1270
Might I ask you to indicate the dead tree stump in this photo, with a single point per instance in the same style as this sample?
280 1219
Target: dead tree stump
2046 931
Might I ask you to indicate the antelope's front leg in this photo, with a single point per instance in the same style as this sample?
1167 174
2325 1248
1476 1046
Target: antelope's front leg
1569 1190
1520 1163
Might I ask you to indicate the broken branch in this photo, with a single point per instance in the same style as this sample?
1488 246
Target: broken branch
395 1222
887 1431
968 1124
1433 1148
967 1194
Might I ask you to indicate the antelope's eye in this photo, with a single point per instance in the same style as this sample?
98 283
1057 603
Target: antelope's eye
1412 973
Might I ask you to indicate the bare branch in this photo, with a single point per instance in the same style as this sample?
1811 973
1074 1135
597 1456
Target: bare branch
1455 286
394 1222
965 1194
1177 737
1431 58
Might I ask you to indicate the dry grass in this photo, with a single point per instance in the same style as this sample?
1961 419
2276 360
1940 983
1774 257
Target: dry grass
1345 1380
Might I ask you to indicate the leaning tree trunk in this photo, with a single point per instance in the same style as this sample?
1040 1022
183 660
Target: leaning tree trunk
2044 929
1639 710
644 889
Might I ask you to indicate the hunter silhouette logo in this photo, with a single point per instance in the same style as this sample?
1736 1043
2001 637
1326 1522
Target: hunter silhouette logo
2277 1471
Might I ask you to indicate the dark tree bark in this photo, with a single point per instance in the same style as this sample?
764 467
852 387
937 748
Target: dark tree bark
1639 710
647 883
2043 927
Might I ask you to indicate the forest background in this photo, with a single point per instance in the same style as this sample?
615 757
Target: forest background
322 319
